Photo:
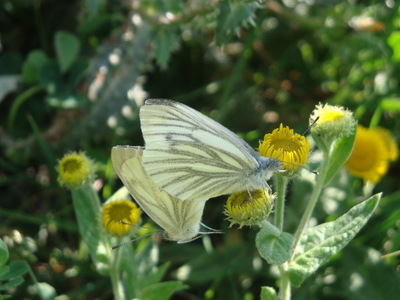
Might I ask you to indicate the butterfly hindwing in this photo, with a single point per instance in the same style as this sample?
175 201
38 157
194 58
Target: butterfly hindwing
180 219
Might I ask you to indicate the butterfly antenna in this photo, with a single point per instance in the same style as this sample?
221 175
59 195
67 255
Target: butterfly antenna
138 238
209 232
212 229
132 240
155 229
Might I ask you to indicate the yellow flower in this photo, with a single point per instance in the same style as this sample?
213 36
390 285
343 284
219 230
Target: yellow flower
74 169
120 210
246 211
286 146
334 121
390 143
373 149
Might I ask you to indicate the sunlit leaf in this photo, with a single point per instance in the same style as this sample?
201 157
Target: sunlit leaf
320 243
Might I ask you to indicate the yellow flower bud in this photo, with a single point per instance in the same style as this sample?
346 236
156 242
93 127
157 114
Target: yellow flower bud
246 211
74 169
334 121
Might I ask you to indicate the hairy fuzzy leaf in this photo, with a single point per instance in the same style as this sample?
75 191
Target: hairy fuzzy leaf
320 243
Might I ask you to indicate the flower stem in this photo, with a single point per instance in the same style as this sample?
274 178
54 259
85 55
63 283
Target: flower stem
285 289
270 228
281 183
114 274
311 204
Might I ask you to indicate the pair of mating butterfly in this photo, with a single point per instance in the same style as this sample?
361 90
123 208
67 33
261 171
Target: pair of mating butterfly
189 158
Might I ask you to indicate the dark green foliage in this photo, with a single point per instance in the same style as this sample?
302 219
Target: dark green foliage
73 75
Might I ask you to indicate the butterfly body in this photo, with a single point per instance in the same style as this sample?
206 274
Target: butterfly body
180 219
193 157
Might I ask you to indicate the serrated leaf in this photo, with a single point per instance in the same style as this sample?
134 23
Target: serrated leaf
320 243
339 154
17 268
166 41
268 293
162 290
67 48
239 13
11 283
275 250
232 15
3 252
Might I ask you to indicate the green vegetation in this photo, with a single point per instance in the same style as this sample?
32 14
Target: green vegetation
73 75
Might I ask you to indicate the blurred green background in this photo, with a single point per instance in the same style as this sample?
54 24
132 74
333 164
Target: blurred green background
73 75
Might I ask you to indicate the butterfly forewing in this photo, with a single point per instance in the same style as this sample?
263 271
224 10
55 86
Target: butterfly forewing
190 155
180 219
194 157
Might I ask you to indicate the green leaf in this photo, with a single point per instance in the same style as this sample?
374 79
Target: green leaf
67 48
394 42
339 154
77 72
87 209
240 12
232 15
162 290
390 104
158 275
175 6
275 250
166 40
43 146
94 24
319 244
50 78
34 62
17 268
130 267
268 293
11 283
4 270
3 252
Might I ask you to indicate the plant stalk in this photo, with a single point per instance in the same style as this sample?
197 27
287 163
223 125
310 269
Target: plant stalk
311 204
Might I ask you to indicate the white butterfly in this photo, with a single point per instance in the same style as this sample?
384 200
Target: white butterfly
192 157
180 219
